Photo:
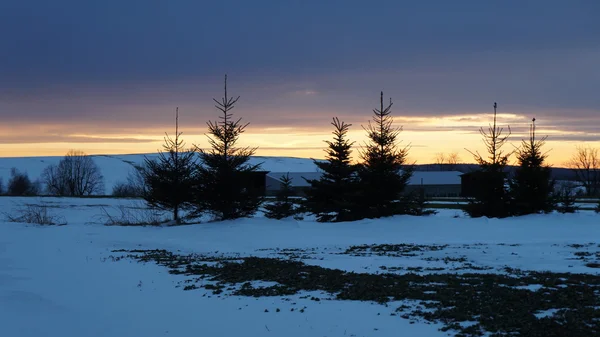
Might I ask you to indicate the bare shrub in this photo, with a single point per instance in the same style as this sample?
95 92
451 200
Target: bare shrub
134 216
134 187
123 190
75 175
35 214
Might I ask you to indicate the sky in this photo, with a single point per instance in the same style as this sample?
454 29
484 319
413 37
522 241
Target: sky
106 76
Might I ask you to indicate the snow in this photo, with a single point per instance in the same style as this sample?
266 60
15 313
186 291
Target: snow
61 280
115 168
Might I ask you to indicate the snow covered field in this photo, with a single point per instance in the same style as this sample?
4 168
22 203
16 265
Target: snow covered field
68 280
115 168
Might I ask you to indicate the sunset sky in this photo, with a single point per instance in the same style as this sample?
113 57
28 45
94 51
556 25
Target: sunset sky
105 76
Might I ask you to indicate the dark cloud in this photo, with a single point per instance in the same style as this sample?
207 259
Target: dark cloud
154 39
117 67
44 138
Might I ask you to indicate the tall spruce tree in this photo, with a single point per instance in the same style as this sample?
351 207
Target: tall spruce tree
332 197
491 196
383 173
532 186
224 186
170 179
284 206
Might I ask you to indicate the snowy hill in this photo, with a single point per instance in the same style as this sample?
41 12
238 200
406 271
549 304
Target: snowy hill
115 168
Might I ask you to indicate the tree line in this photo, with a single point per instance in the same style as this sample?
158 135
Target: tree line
371 188
220 181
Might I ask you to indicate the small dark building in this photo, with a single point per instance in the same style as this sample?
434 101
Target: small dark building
471 182
256 180
435 184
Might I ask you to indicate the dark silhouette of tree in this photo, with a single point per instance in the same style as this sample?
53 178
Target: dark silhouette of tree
134 186
452 161
491 197
447 162
532 186
332 197
284 206
585 163
75 175
566 198
224 189
383 174
169 180
440 160
19 184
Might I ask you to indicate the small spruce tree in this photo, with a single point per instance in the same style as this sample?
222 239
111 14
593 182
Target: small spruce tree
491 196
332 197
565 199
383 174
170 179
532 186
224 174
284 205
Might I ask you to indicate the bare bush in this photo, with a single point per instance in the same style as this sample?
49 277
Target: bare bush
75 175
35 214
134 216
134 187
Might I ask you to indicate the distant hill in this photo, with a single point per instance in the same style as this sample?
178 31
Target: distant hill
115 168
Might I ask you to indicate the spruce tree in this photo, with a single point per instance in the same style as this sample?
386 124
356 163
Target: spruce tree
565 200
332 197
491 196
383 174
532 186
284 205
224 189
169 180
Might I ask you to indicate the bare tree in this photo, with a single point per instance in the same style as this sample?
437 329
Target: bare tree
447 162
453 159
585 163
75 175
134 186
440 160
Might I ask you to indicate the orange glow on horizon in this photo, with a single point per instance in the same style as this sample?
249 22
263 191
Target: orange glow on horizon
426 136
423 145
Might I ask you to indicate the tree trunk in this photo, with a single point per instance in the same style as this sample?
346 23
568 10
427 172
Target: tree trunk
176 214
